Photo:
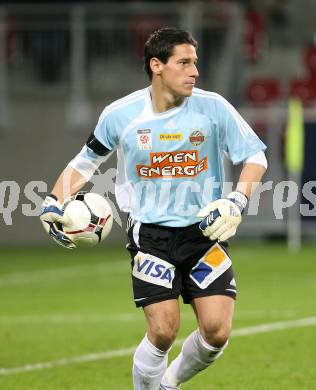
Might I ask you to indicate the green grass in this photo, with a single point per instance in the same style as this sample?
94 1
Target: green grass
57 304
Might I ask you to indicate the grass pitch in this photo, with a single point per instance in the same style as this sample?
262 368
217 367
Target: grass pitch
58 305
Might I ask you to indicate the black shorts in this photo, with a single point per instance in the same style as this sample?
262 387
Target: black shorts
171 261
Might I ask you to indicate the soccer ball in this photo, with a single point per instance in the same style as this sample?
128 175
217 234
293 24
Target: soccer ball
90 216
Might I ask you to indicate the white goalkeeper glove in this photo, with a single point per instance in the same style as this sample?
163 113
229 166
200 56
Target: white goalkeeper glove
222 217
52 217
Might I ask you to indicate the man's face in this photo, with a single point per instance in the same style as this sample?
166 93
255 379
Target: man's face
179 74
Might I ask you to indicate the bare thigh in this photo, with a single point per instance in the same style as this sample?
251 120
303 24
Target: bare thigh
214 314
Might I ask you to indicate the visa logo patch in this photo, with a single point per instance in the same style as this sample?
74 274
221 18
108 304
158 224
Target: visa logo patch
153 270
212 265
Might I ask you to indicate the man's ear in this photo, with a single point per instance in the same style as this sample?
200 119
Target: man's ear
156 66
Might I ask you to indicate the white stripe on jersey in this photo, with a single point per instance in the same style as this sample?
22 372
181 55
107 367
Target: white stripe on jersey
147 114
126 98
136 228
132 98
243 126
142 117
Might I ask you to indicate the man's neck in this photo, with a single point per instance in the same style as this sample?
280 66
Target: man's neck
163 100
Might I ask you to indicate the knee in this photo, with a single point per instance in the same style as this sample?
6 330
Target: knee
162 335
216 334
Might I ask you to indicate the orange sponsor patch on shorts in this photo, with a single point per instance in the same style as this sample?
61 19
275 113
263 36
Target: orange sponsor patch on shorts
215 256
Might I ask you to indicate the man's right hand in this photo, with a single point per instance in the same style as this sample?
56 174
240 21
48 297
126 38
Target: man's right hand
52 215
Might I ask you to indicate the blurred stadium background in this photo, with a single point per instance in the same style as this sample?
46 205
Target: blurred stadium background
60 64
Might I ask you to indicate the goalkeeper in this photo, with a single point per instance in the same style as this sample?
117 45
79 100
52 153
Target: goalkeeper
170 140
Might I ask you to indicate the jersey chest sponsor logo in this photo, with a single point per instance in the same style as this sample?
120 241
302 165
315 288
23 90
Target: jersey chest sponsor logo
182 163
144 139
196 137
170 137
153 270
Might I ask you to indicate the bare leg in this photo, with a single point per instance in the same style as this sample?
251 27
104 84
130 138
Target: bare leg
151 356
205 345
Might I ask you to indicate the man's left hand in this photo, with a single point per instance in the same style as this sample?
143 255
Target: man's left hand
222 217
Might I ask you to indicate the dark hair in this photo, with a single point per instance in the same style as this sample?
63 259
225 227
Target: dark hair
161 43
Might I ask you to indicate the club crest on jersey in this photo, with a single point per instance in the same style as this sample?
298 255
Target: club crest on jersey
153 270
144 140
196 137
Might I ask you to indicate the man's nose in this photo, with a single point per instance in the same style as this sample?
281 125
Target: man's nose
194 72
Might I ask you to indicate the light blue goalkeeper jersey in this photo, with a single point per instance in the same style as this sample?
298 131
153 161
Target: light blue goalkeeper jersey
170 164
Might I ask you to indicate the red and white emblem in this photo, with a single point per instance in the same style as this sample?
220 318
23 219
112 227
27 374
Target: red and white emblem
144 140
